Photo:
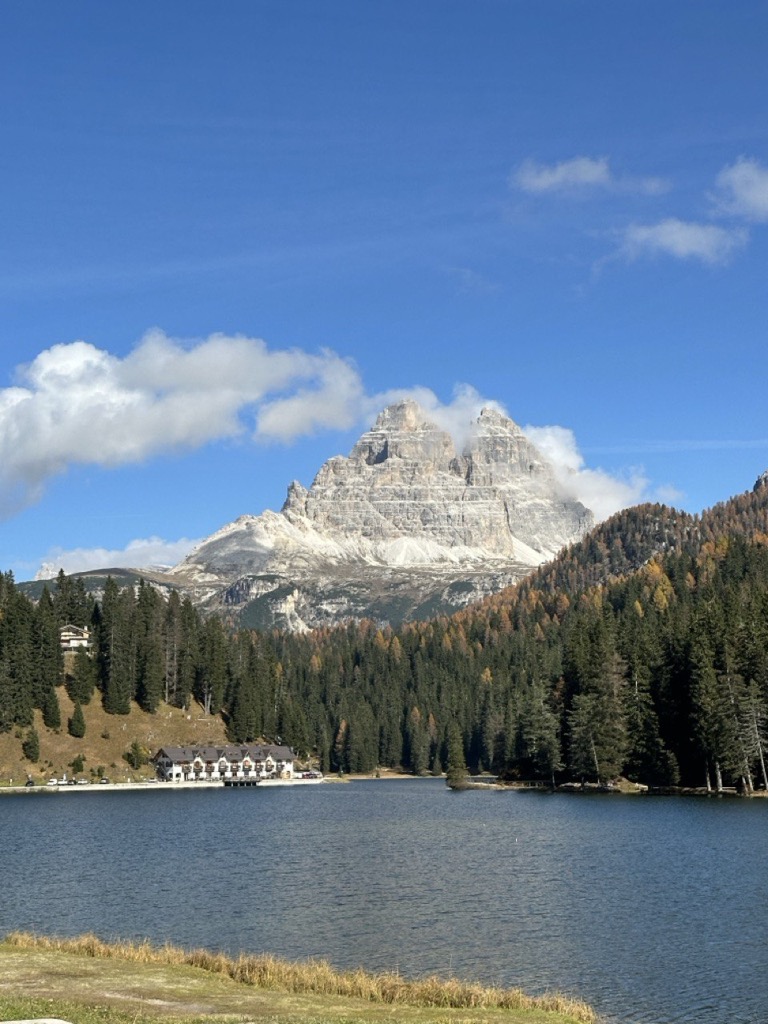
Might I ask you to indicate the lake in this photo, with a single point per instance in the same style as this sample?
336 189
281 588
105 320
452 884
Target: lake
654 910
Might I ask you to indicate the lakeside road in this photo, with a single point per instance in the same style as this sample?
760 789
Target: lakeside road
156 785
106 787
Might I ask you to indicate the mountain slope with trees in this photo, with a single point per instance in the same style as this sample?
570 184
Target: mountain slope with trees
640 651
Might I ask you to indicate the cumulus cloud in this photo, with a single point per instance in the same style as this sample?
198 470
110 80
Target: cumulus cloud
333 402
579 174
683 240
76 403
79 404
600 491
743 190
149 553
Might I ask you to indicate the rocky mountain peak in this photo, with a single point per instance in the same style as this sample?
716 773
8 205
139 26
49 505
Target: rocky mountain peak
408 508
403 415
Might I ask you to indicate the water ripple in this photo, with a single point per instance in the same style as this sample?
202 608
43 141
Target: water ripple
652 910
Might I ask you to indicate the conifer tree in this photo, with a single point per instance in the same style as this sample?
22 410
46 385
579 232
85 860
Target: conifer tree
30 747
76 723
211 682
456 775
51 710
82 682
150 671
48 661
115 638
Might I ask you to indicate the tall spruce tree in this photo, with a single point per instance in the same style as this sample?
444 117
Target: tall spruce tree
456 775
76 723
150 661
30 746
116 648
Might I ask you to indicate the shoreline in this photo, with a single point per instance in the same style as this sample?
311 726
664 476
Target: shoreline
160 785
260 987
489 784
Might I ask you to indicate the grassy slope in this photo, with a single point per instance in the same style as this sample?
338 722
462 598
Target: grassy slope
107 738
114 989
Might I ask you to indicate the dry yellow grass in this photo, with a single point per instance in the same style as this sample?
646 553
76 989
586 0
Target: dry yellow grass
107 738
316 977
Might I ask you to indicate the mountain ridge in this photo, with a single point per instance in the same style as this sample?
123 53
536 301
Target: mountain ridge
408 514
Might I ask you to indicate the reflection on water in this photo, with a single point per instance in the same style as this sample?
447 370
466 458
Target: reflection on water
653 910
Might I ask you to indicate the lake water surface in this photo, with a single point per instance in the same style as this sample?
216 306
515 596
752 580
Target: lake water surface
654 910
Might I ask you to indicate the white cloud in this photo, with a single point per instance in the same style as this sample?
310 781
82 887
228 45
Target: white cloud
744 190
76 403
579 174
334 402
600 491
152 552
683 240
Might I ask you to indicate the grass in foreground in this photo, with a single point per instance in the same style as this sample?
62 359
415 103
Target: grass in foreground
169 980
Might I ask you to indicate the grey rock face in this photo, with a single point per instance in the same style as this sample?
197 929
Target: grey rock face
405 524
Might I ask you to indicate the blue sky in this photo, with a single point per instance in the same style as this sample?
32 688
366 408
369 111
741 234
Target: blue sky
231 232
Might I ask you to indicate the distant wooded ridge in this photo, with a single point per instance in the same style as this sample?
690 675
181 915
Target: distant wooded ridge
641 651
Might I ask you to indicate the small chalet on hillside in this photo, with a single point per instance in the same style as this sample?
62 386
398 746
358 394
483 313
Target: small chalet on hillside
209 764
72 637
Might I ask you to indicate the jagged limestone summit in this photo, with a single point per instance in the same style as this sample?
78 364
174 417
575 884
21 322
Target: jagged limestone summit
408 525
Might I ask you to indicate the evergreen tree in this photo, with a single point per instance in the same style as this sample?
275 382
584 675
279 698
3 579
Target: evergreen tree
47 658
115 640
362 747
76 724
416 743
537 748
188 655
70 601
82 682
456 770
211 682
51 710
22 686
136 756
30 747
151 665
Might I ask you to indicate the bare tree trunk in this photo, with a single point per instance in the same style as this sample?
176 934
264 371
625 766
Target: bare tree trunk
761 758
758 744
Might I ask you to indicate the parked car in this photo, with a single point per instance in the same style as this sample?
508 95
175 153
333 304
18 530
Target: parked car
104 781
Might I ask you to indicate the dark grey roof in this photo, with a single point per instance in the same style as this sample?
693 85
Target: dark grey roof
232 752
